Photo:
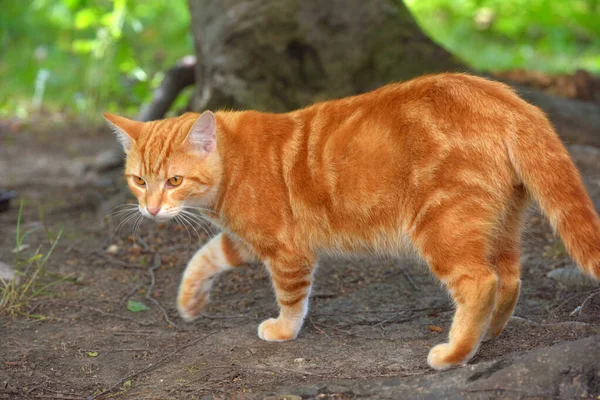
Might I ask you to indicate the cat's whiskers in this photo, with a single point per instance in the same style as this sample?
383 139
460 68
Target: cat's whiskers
182 222
120 208
202 209
189 220
202 222
119 212
136 225
127 218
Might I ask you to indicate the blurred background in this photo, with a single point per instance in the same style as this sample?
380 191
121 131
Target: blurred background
88 287
81 56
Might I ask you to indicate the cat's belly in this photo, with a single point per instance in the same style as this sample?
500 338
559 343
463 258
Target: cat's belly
369 242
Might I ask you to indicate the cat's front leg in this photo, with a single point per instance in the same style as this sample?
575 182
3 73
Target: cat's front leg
292 280
218 255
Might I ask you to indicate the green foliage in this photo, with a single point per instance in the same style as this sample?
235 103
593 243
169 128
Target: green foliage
546 35
98 54
89 56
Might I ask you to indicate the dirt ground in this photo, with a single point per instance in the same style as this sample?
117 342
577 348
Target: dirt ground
369 318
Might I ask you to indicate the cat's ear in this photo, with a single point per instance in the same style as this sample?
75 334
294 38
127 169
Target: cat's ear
127 131
203 134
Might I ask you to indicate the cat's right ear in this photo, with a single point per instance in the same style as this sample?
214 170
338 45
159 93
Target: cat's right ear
126 130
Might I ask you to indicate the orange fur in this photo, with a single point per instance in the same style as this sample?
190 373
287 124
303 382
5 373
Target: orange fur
442 165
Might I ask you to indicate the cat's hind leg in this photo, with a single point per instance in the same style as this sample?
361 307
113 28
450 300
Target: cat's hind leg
505 257
454 240
218 255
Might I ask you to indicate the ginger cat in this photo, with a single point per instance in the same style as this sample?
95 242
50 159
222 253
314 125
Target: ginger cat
442 165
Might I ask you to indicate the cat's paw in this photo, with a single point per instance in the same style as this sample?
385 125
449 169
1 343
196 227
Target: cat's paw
191 302
276 330
444 356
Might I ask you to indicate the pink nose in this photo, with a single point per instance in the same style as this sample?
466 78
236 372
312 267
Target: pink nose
153 210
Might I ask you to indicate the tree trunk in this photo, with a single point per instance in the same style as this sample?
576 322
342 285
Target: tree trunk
278 55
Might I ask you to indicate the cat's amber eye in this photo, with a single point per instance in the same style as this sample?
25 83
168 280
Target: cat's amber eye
139 180
176 180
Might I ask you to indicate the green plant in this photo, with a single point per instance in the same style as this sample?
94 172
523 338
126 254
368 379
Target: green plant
16 294
87 56
546 35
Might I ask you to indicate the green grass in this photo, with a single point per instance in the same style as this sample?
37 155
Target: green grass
29 283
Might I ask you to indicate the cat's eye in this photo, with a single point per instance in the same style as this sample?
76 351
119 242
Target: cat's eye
176 180
139 180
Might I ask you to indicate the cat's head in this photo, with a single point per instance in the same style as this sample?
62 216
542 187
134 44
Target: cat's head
172 163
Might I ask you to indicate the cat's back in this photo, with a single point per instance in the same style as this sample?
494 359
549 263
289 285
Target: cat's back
448 92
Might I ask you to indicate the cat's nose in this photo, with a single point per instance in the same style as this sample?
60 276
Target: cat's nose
153 210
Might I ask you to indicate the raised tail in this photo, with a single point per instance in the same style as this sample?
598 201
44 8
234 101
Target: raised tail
551 177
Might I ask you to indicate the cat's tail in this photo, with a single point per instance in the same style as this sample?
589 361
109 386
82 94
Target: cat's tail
551 178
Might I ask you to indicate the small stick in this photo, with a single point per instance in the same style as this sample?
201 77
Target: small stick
553 310
128 295
408 277
319 329
157 265
142 243
579 309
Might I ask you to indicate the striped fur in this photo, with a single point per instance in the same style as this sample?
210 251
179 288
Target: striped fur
442 166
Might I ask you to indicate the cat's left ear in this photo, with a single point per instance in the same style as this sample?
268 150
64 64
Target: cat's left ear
203 134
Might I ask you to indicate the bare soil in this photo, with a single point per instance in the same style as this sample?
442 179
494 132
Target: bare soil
369 318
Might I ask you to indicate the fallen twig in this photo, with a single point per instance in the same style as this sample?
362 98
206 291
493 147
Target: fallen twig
142 243
579 309
408 276
157 265
558 307
321 331
128 295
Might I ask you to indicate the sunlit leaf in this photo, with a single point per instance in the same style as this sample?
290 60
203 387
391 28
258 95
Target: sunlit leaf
86 18
136 306
84 46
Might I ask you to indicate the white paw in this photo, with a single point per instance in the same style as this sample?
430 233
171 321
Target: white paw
444 356
276 330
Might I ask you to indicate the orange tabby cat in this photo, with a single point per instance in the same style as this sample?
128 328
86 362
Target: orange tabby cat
443 165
